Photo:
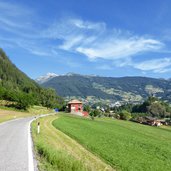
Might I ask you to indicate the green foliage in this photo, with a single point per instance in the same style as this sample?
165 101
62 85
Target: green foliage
154 107
127 107
24 101
125 115
107 110
87 108
95 112
137 115
124 145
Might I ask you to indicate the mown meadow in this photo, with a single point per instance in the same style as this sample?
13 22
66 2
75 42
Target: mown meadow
124 145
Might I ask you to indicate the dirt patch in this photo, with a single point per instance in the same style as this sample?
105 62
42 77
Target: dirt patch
8 112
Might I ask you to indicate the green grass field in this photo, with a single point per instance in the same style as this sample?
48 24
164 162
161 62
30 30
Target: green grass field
124 145
58 152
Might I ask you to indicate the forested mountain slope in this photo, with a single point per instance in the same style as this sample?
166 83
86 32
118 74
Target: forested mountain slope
12 78
18 87
128 89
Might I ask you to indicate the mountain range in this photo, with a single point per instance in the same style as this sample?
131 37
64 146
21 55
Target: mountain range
108 89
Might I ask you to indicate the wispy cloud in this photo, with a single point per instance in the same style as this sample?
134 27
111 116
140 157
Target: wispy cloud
92 39
95 40
120 48
160 65
154 65
18 29
15 18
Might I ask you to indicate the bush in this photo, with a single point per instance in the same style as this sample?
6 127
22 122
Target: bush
125 115
94 113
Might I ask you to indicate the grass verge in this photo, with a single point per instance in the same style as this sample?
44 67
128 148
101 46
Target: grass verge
58 152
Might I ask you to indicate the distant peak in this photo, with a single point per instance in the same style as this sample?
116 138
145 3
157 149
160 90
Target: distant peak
71 74
51 74
45 78
75 74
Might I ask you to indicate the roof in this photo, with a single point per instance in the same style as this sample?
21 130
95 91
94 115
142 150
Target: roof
74 102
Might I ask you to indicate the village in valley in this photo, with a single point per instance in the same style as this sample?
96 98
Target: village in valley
124 112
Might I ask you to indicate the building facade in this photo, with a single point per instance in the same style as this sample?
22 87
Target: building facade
76 107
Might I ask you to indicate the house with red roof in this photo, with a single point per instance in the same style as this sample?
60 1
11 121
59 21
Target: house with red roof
76 107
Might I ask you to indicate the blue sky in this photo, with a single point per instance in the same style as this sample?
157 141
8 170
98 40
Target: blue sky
102 37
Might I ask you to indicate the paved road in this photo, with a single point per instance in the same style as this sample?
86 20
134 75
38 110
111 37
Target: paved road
15 145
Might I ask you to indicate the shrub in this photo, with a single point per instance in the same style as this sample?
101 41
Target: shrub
125 115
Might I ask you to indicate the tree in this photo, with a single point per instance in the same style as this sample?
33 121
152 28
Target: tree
107 109
24 101
87 108
157 110
125 115
92 114
95 113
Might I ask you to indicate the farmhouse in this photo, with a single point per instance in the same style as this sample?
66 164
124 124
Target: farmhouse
76 107
153 121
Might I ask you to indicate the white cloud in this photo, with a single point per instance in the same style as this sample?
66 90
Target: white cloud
92 39
95 40
74 41
87 24
161 65
120 48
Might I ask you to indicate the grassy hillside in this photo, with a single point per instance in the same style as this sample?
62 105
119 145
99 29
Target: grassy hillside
125 89
125 145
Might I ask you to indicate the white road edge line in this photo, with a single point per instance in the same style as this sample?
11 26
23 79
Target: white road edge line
30 150
30 143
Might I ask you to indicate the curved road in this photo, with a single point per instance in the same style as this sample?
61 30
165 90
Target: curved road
16 146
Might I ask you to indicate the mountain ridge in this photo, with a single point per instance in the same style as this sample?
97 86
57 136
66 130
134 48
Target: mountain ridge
126 89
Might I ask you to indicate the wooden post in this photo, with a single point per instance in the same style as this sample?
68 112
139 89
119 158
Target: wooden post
38 127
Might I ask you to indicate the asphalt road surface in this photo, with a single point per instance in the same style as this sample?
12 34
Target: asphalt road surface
16 146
